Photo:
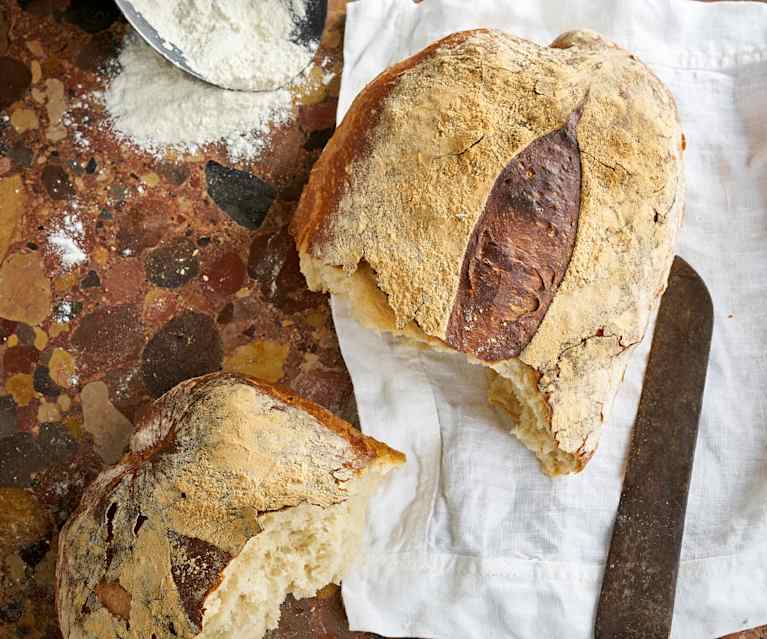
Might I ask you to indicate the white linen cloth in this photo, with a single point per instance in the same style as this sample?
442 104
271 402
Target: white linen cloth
470 540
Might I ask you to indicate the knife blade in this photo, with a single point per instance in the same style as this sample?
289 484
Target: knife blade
637 597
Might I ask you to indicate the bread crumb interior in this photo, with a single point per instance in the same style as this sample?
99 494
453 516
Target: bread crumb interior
299 551
515 392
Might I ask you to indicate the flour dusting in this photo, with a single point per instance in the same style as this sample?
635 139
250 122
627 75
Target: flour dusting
157 107
239 44
67 239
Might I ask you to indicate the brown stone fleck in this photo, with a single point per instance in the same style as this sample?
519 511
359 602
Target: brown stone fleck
25 291
24 120
8 422
176 174
41 338
5 27
20 386
126 389
37 7
48 412
60 485
187 346
26 334
151 179
317 317
273 263
329 388
100 255
36 48
15 79
64 402
124 280
226 314
65 282
141 227
7 328
111 429
44 384
159 306
20 460
172 264
20 155
108 335
91 280
262 359
37 74
56 182
74 426
20 359
55 106
62 368
56 329
225 275
22 519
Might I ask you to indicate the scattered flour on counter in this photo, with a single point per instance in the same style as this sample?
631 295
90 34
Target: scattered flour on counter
66 240
157 107
240 44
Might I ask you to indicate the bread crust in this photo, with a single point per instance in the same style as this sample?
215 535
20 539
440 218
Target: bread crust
153 534
407 177
319 199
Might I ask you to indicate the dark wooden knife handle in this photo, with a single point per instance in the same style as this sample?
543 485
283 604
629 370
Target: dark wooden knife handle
637 599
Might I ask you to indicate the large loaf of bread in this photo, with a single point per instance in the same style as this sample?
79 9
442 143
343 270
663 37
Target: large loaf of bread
513 202
234 494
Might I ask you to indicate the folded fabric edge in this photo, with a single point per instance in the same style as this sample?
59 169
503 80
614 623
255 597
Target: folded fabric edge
527 590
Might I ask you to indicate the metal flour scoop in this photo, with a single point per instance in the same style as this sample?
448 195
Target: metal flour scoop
309 31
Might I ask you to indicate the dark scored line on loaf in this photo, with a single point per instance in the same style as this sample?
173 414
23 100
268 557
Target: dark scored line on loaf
520 248
197 568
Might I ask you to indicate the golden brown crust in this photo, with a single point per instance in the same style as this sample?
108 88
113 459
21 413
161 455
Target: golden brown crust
320 198
370 447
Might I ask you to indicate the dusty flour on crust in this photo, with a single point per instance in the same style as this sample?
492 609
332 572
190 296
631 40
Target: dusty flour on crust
156 106
240 44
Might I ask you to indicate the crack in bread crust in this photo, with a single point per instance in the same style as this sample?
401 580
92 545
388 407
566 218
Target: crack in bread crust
396 198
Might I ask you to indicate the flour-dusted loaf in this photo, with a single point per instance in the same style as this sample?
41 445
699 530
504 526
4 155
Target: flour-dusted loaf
514 202
234 494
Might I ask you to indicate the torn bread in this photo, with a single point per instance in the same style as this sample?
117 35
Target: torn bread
234 494
513 202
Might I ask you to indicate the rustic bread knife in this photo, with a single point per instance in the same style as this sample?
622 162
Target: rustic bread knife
637 598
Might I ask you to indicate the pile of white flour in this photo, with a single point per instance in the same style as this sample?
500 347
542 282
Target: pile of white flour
156 106
239 44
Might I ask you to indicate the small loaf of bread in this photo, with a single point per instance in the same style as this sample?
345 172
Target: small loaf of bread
234 494
513 202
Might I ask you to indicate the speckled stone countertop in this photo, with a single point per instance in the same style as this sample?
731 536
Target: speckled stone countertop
189 269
